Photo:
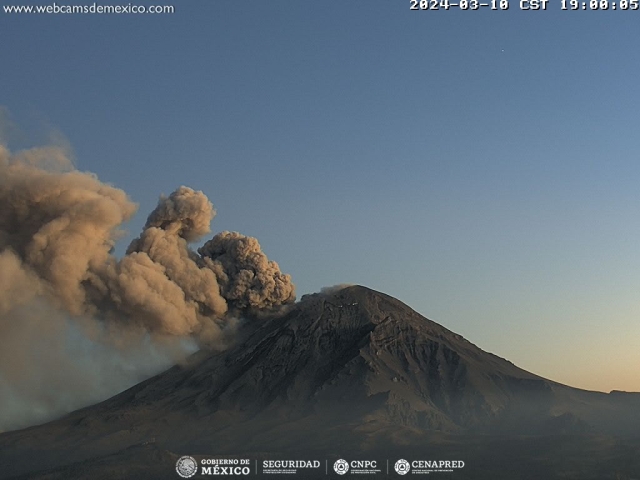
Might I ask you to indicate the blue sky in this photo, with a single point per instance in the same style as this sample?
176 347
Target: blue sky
482 166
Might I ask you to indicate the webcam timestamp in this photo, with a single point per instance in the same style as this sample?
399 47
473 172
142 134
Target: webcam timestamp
600 5
461 4
524 4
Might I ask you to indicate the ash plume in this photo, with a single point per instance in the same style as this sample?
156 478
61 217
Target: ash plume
56 227
61 286
185 213
161 282
247 278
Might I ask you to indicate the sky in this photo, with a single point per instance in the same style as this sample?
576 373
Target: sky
481 166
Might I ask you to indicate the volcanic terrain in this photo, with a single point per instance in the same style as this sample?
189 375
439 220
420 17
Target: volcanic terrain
348 374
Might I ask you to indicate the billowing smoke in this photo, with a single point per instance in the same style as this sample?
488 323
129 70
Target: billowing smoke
161 283
247 278
185 213
69 309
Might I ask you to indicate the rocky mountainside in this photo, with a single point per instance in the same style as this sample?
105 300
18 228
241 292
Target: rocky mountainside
352 371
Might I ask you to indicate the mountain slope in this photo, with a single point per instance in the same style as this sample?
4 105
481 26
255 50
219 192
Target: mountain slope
360 369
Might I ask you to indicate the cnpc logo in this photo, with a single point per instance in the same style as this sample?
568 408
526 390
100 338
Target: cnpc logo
342 466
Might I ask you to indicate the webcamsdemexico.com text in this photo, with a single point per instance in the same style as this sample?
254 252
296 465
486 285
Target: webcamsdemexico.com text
93 8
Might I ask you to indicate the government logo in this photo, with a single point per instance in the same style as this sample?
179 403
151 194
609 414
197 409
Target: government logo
186 466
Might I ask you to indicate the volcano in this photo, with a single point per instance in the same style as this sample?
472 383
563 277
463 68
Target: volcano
350 373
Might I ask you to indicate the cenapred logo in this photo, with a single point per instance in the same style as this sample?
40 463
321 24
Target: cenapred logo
186 466
341 466
402 467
